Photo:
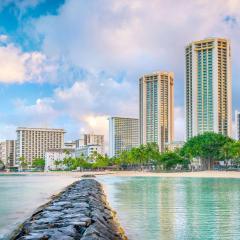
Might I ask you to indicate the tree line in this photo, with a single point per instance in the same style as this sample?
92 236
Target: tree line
209 148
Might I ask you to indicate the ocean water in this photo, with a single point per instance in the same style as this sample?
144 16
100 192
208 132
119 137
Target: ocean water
148 208
20 195
176 208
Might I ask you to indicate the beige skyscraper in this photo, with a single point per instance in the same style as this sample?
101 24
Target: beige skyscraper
208 87
34 142
156 108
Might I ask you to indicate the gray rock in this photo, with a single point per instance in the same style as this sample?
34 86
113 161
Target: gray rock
80 212
80 205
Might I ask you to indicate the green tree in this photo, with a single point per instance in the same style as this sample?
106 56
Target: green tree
57 163
23 162
38 163
100 161
208 147
68 162
231 150
2 166
169 160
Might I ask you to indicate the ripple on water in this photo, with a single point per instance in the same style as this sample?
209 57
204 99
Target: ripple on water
176 208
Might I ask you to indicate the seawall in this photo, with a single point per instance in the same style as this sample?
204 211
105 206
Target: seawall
81 211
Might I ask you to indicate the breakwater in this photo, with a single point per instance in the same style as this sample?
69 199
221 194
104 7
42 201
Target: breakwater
79 212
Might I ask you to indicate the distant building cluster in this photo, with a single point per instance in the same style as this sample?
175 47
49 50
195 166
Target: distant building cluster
208 107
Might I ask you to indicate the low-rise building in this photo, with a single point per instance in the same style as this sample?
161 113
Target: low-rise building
87 151
54 158
91 139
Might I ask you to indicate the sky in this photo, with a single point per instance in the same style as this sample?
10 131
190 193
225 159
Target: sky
72 63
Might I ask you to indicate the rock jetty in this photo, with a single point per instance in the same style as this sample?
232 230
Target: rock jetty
79 212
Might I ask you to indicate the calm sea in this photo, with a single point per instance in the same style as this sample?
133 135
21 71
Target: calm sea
152 208
148 208
20 195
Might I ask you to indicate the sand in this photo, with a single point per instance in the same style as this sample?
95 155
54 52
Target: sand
201 174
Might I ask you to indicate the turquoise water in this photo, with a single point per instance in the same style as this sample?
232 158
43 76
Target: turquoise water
148 208
21 194
176 208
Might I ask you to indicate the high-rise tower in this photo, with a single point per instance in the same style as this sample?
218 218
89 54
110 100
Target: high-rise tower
237 122
208 87
123 134
156 108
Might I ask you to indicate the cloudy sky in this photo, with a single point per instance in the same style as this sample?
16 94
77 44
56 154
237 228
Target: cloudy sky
72 63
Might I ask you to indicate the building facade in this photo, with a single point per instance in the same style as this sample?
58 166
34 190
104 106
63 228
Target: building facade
156 108
70 145
54 158
87 151
208 87
123 134
8 153
237 122
91 139
34 142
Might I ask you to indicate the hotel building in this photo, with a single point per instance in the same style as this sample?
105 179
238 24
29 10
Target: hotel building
237 122
123 134
8 152
91 139
54 158
156 108
34 142
208 87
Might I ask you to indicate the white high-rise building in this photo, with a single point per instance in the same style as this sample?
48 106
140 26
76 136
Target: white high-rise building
123 134
8 152
237 122
156 108
208 87
34 142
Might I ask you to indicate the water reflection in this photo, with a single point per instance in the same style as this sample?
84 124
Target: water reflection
176 208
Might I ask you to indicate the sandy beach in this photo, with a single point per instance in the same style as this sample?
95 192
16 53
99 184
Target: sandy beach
201 174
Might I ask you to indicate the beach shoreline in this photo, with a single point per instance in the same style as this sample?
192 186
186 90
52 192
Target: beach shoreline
199 174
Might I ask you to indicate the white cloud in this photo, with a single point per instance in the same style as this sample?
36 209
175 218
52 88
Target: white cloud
136 36
39 114
18 66
12 65
107 38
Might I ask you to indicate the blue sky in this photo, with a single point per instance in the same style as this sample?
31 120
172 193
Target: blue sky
73 63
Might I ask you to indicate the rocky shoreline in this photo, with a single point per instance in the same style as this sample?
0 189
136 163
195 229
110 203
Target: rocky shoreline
79 212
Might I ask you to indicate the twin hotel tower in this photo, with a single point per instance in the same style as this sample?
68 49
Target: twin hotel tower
208 100
208 107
